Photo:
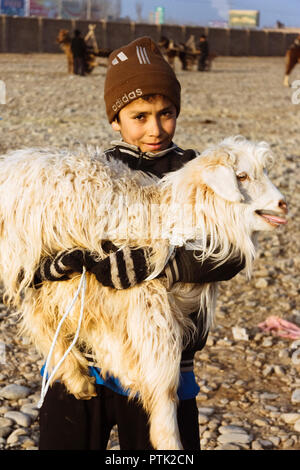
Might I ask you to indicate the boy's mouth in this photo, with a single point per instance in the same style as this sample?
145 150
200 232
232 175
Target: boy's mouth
155 145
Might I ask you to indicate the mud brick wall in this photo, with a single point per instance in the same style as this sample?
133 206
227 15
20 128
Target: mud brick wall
27 35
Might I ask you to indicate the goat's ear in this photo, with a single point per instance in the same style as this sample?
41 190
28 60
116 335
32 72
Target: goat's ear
222 180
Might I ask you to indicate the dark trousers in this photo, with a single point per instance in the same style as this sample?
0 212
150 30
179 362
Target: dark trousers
79 66
202 62
70 424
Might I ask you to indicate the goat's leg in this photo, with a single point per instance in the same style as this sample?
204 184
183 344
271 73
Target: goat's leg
164 432
286 80
73 372
291 61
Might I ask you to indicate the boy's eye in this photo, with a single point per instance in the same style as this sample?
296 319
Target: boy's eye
167 113
139 117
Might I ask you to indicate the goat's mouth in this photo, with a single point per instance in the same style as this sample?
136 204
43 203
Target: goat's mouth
272 217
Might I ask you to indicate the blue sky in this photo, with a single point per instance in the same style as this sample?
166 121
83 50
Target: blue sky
202 11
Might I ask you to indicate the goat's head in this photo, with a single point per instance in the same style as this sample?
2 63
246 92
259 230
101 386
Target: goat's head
235 171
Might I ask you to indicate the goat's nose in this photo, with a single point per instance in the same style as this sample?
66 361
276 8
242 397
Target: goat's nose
283 206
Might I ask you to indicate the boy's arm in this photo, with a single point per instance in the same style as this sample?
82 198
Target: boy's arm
120 269
127 267
184 267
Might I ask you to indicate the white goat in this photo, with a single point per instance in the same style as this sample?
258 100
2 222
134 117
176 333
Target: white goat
54 200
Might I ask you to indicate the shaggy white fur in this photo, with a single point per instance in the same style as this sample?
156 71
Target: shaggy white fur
55 200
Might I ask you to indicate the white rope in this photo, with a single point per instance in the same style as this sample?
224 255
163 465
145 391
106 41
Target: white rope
45 386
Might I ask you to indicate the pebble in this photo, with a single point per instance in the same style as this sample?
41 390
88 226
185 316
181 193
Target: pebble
261 283
30 410
256 445
296 344
20 418
4 431
296 357
233 434
275 440
240 334
261 422
268 396
290 418
5 422
203 419
296 396
228 447
266 443
206 410
14 437
297 425
267 342
14 392
234 437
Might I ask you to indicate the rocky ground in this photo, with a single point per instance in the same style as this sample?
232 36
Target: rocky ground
249 379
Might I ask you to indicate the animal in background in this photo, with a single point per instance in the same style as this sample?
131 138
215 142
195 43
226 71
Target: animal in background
93 51
292 58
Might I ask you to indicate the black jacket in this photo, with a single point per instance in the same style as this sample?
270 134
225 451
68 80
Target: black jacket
78 47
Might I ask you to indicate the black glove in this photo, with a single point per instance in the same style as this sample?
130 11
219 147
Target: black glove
60 267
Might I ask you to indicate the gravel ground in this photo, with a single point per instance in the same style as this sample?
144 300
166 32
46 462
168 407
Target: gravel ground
250 385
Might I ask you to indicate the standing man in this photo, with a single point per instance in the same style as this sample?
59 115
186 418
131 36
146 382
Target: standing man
78 48
204 51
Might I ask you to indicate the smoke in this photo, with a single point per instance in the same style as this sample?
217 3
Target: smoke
222 7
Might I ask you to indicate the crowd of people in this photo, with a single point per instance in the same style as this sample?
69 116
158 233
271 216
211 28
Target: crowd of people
199 52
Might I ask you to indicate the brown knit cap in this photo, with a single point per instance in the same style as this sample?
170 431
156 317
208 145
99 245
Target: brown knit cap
136 70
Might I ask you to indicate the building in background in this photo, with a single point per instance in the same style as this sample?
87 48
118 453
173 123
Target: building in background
13 7
159 15
77 9
48 8
243 18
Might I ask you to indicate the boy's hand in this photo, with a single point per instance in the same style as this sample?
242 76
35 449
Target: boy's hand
60 267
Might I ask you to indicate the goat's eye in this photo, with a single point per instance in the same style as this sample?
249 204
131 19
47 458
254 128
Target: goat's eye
242 176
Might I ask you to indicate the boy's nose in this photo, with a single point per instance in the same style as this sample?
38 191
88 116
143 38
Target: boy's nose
154 127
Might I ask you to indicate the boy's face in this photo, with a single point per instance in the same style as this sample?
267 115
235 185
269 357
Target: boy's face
149 125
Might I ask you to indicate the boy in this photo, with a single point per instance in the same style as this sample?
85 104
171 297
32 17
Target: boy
142 96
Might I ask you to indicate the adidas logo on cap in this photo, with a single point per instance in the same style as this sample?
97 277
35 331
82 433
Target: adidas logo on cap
122 58
141 53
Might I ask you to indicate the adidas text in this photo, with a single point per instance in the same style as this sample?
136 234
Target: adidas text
132 95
